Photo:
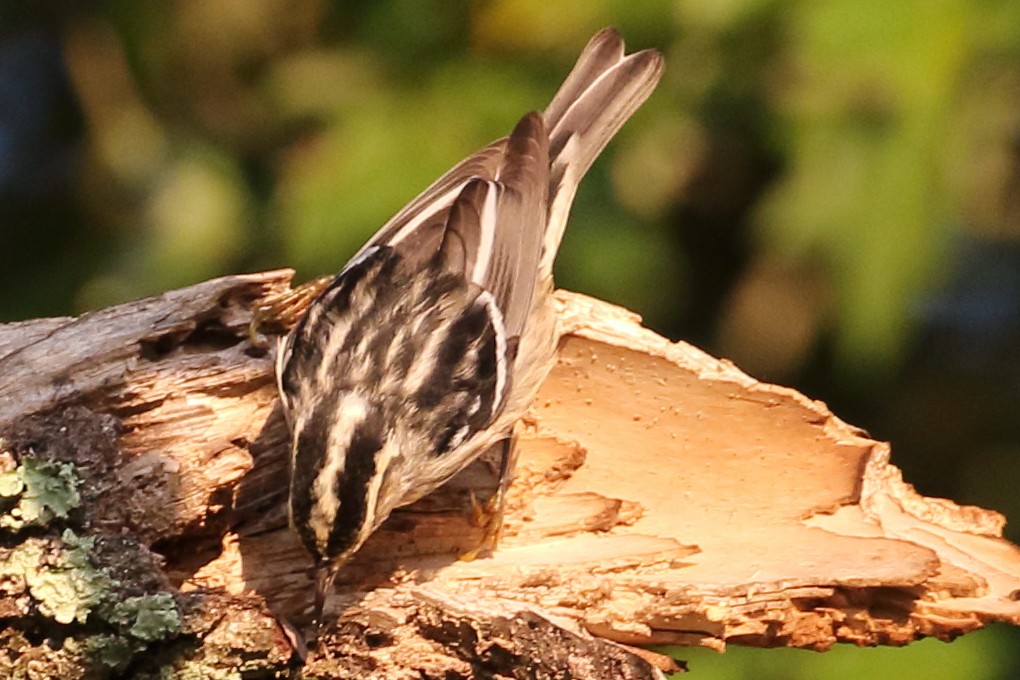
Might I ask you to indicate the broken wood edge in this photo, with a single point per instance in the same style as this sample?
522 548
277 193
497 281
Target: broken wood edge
589 317
967 535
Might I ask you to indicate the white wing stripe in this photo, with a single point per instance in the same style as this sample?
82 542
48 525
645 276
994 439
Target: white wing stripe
499 327
488 235
440 202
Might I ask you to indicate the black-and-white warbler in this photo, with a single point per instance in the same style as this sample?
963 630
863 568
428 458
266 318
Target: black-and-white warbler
429 346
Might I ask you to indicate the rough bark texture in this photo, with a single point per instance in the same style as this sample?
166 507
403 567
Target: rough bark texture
662 496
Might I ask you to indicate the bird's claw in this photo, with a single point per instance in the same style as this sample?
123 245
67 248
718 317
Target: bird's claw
281 312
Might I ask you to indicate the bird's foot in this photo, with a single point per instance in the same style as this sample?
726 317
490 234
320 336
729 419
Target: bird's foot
281 312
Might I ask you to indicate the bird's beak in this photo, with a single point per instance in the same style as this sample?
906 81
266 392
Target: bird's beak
323 585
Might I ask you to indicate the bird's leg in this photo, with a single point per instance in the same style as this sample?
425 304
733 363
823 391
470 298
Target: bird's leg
281 312
489 516
507 465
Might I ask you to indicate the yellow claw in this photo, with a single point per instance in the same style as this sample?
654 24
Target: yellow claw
284 310
489 517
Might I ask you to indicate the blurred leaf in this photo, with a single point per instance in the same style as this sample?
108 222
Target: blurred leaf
983 655
865 120
536 25
197 215
318 84
715 15
610 255
343 185
405 30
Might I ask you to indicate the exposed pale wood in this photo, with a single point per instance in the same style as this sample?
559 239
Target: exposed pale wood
662 496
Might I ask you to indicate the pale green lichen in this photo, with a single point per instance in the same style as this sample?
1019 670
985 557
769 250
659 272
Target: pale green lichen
113 651
63 582
11 484
147 618
70 589
138 621
41 492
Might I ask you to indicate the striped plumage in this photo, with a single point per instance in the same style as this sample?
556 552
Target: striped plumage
431 343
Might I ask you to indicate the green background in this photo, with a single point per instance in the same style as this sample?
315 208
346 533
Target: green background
826 193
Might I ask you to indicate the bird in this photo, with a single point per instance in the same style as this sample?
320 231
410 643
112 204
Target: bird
429 346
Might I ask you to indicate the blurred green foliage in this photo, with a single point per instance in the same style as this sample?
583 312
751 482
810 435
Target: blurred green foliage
983 655
826 193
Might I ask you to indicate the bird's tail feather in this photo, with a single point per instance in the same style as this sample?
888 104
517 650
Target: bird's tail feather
605 87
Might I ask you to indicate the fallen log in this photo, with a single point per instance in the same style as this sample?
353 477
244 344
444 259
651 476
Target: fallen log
662 496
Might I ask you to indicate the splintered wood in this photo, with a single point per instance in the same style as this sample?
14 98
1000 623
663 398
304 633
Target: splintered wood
805 534
661 496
